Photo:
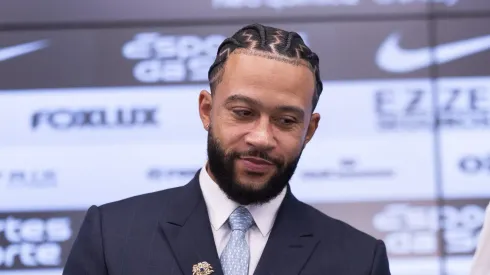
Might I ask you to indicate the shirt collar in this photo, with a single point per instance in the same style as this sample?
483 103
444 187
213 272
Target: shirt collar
220 206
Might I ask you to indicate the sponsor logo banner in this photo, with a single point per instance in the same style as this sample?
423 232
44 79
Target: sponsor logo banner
156 174
101 116
37 240
211 10
165 55
412 228
28 178
381 108
172 58
183 55
463 103
96 118
399 107
46 59
366 170
67 177
465 164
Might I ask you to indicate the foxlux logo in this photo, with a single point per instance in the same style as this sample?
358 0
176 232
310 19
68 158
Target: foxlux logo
172 58
65 119
411 107
33 242
412 229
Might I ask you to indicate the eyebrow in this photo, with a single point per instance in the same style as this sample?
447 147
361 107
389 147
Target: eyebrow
254 102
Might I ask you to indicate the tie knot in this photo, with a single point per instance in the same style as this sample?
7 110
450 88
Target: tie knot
240 219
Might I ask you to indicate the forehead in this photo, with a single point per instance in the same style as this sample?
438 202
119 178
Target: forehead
268 78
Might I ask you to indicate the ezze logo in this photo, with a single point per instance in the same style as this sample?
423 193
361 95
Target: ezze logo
411 108
403 109
466 106
172 58
28 178
27 243
66 119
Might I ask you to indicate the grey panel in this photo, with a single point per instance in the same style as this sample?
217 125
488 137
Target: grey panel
458 6
464 46
178 55
18 11
346 51
46 59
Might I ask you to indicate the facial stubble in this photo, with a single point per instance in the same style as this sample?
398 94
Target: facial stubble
222 166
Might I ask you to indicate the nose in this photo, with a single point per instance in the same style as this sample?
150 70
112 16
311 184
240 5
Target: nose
261 135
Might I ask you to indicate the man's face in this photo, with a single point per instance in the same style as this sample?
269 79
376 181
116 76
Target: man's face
260 120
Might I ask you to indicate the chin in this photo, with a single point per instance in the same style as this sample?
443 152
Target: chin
256 186
253 182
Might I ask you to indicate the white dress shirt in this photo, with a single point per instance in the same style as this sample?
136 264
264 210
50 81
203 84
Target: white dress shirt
481 260
220 207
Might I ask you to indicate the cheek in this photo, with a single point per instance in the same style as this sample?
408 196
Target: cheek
291 147
229 136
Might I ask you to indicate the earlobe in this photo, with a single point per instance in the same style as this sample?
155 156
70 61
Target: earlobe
205 107
313 125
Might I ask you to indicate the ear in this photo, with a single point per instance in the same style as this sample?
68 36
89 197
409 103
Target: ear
312 126
205 106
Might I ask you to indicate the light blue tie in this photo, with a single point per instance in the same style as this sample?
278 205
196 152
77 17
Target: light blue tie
236 256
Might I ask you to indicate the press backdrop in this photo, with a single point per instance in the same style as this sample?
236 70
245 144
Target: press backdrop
98 102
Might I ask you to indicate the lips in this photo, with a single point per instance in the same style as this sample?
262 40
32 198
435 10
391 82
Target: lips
256 165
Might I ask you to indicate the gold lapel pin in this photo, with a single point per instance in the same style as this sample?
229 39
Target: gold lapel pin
202 268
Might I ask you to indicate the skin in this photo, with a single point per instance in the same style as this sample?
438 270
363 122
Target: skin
264 104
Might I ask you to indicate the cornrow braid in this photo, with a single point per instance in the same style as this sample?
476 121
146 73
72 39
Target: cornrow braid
268 42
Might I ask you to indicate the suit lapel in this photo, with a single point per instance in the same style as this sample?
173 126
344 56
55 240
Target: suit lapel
291 242
187 228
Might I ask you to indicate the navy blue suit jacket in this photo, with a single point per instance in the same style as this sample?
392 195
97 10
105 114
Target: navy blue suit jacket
167 232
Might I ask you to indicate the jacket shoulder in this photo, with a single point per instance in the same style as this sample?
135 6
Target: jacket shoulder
147 199
143 210
344 232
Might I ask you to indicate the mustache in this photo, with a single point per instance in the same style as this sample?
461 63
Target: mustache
259 154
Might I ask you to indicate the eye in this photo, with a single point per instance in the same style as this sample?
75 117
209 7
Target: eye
242 112
287 121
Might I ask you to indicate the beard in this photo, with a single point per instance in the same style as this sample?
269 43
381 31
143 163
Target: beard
222 166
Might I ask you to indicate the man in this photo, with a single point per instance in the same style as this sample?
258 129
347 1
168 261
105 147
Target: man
481 260
237 216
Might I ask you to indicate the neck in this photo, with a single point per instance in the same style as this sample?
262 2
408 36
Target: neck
210 173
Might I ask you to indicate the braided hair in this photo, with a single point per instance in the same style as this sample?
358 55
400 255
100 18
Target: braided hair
268 42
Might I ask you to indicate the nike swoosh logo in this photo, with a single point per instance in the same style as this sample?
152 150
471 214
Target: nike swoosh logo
21 49
392 58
